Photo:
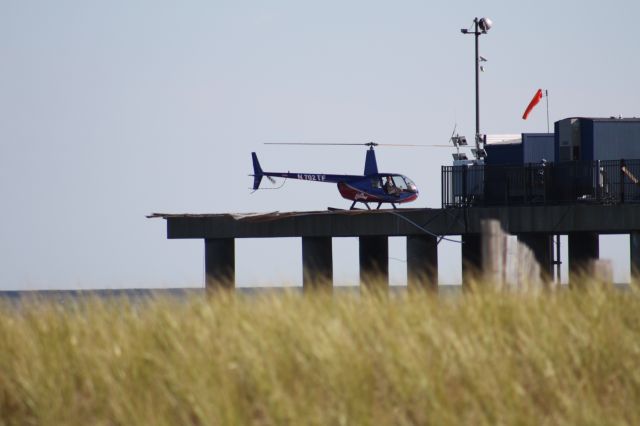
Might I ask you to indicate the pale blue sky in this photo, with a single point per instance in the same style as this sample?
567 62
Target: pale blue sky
113 110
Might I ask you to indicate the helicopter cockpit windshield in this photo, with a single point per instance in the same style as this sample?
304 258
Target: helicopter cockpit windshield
411 187
394 184
399 182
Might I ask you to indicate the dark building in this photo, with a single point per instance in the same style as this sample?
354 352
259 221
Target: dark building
588 160
590 139
537 147
523 149
503 154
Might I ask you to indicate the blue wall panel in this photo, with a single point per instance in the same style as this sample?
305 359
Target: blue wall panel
510 153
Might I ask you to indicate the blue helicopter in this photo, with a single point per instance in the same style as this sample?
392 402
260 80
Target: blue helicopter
371 187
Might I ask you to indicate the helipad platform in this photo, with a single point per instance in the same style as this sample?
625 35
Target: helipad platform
424 228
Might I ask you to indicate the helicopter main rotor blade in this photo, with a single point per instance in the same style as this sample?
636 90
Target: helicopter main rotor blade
314 143
370 144
412 145
355 144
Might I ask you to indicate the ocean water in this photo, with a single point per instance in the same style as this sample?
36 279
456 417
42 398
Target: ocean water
141 294
181 293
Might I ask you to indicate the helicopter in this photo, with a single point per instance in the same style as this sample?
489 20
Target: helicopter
370 187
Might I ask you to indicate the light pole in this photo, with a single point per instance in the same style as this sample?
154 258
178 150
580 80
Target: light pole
481 26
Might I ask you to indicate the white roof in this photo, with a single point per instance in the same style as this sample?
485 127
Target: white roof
504 139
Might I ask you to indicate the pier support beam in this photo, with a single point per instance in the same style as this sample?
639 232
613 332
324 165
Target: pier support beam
317 263
374 262
471 258
584 247
219 263
422 262
541 244
634 257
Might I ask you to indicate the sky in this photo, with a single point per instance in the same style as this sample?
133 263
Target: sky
113 110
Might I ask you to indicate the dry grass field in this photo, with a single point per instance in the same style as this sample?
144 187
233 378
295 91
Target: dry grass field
568 357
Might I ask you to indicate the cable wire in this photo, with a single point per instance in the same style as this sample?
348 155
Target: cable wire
440 237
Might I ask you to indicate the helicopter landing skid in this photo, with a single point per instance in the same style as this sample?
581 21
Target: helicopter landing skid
393 204
353 205
363 202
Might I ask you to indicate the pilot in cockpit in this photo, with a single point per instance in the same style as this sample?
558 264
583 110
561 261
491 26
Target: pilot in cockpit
390 187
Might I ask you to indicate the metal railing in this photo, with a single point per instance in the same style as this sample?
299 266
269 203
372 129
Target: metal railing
597 182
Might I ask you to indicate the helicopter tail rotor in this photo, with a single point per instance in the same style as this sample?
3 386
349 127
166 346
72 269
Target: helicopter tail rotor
257 171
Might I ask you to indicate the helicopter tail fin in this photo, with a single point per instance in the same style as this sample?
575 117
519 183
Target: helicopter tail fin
257 171
370 164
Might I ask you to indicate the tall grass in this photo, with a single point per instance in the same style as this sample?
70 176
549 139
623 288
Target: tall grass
569 357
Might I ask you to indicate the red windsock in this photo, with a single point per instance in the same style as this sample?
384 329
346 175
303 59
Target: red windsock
534 102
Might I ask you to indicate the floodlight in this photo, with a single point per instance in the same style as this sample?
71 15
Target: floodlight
459 140
459 156
479 153
485 24
482 58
